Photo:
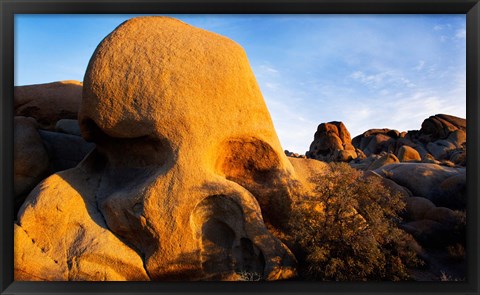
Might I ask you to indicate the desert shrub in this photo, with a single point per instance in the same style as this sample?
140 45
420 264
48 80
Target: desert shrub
346 230
456 252
444 277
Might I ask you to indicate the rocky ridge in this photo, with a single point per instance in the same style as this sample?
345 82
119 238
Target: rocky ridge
429 164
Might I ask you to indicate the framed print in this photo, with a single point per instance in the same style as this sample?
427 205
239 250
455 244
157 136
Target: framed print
199 147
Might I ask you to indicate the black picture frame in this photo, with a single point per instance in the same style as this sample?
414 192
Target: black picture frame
9 8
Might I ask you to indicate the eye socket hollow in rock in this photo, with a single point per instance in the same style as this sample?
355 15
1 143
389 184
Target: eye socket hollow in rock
247 160
135 152
256 166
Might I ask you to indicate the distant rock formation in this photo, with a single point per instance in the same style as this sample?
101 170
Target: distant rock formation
441 140
332 142
294 155
426 167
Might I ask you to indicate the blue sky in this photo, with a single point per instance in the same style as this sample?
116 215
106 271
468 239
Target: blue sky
368 71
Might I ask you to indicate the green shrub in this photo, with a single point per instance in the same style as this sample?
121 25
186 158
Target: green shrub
346 230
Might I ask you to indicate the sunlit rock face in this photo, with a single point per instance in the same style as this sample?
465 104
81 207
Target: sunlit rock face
48 102
187 168
332 142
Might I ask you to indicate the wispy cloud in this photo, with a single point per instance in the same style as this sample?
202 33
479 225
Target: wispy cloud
268 69
442 27
461 34
420 65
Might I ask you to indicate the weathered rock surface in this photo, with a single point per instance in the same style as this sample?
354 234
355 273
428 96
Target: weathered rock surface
385 159
391 185
374 141
65 151
440 127
68 126
61 234
442 185
169 190
305 169
432 226
48 103
30 158
417 207
332 142
441 140
408 154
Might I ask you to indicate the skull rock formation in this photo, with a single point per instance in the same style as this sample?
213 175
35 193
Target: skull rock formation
183 175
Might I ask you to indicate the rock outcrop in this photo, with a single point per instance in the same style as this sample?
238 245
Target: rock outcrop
65 150
408 154
444 186
30 157
441 140
169 193
48 103
39 153
332 142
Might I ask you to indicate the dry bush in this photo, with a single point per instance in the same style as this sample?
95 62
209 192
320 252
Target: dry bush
347 229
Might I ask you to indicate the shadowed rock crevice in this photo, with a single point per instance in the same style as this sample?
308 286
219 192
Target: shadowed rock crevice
253 164
225 248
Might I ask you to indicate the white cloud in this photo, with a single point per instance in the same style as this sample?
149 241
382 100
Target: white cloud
272 86
370 80
442 27
461 34
267 69
389 79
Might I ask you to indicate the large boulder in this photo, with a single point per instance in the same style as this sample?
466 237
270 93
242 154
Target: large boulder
375 141
30 157
408 154
441 126
417 208
452 191
391 185
68 126
61 235
385 159
48 103
332 142
65 151
440 148
428 181
183 177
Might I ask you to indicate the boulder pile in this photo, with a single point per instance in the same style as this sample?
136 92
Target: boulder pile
46 133
428 165
441 140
